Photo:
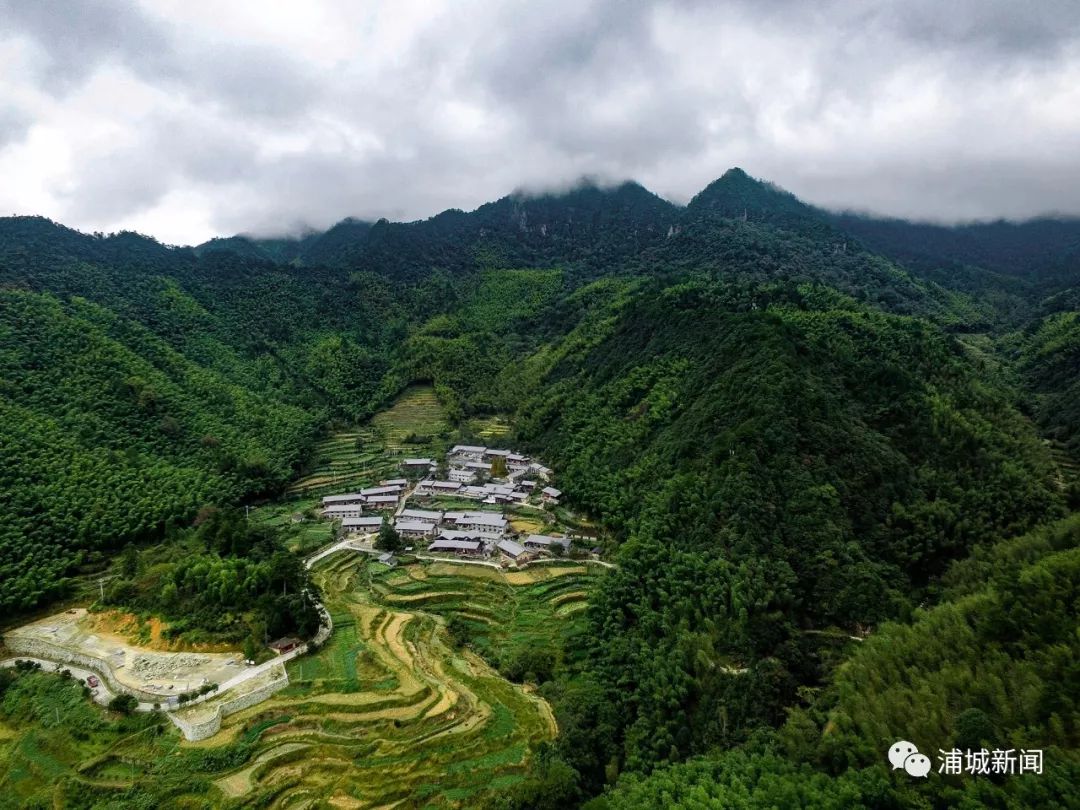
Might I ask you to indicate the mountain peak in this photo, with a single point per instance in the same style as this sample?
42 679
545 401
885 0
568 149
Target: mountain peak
737 195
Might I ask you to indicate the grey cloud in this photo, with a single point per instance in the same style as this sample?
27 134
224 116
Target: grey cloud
172 152
1005 28
116 186
961 191
79 36
596 87
556 73
1002 27
14 124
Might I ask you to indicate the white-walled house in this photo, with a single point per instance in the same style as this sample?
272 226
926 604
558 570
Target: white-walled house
475 452
343 500
385 490
487 523
343 511
414 528
362 525
445 487
426 515
457 543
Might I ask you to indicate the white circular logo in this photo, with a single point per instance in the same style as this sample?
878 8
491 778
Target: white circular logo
901 750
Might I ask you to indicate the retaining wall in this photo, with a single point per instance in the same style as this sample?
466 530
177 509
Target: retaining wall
37 648
208 727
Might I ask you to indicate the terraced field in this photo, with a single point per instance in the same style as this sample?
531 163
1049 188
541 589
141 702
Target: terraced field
413 426
491 429
340 465
390 712
502 613
394 711
1068 468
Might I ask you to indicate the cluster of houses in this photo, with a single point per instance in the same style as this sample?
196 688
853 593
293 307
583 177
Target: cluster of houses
386 496
471 475
467 534
474 544
467 464
486 493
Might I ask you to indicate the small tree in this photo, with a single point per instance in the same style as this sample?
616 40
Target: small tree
388 539
498 468
129 562
125 703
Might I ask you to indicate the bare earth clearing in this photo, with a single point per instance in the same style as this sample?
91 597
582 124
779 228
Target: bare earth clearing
157 672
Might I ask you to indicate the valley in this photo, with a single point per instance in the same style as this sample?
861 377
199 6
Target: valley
792 476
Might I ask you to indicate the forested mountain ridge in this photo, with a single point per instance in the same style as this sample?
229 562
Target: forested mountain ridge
1043 251
776 424
732 227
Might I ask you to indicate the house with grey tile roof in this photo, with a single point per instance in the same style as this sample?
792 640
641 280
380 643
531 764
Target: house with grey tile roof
362 525
543 542
387 490
453 545
338 511
426 515
414 528
488 523
468 451
337 500
510 549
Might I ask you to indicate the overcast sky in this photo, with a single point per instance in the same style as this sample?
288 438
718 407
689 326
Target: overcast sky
191 118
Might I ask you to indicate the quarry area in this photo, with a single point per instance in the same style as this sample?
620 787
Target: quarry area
151 675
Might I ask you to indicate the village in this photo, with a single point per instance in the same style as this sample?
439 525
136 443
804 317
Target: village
475 505
428 508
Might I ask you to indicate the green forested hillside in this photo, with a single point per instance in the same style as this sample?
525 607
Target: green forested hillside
109 433
814 460
994 666
789 465
1050 361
